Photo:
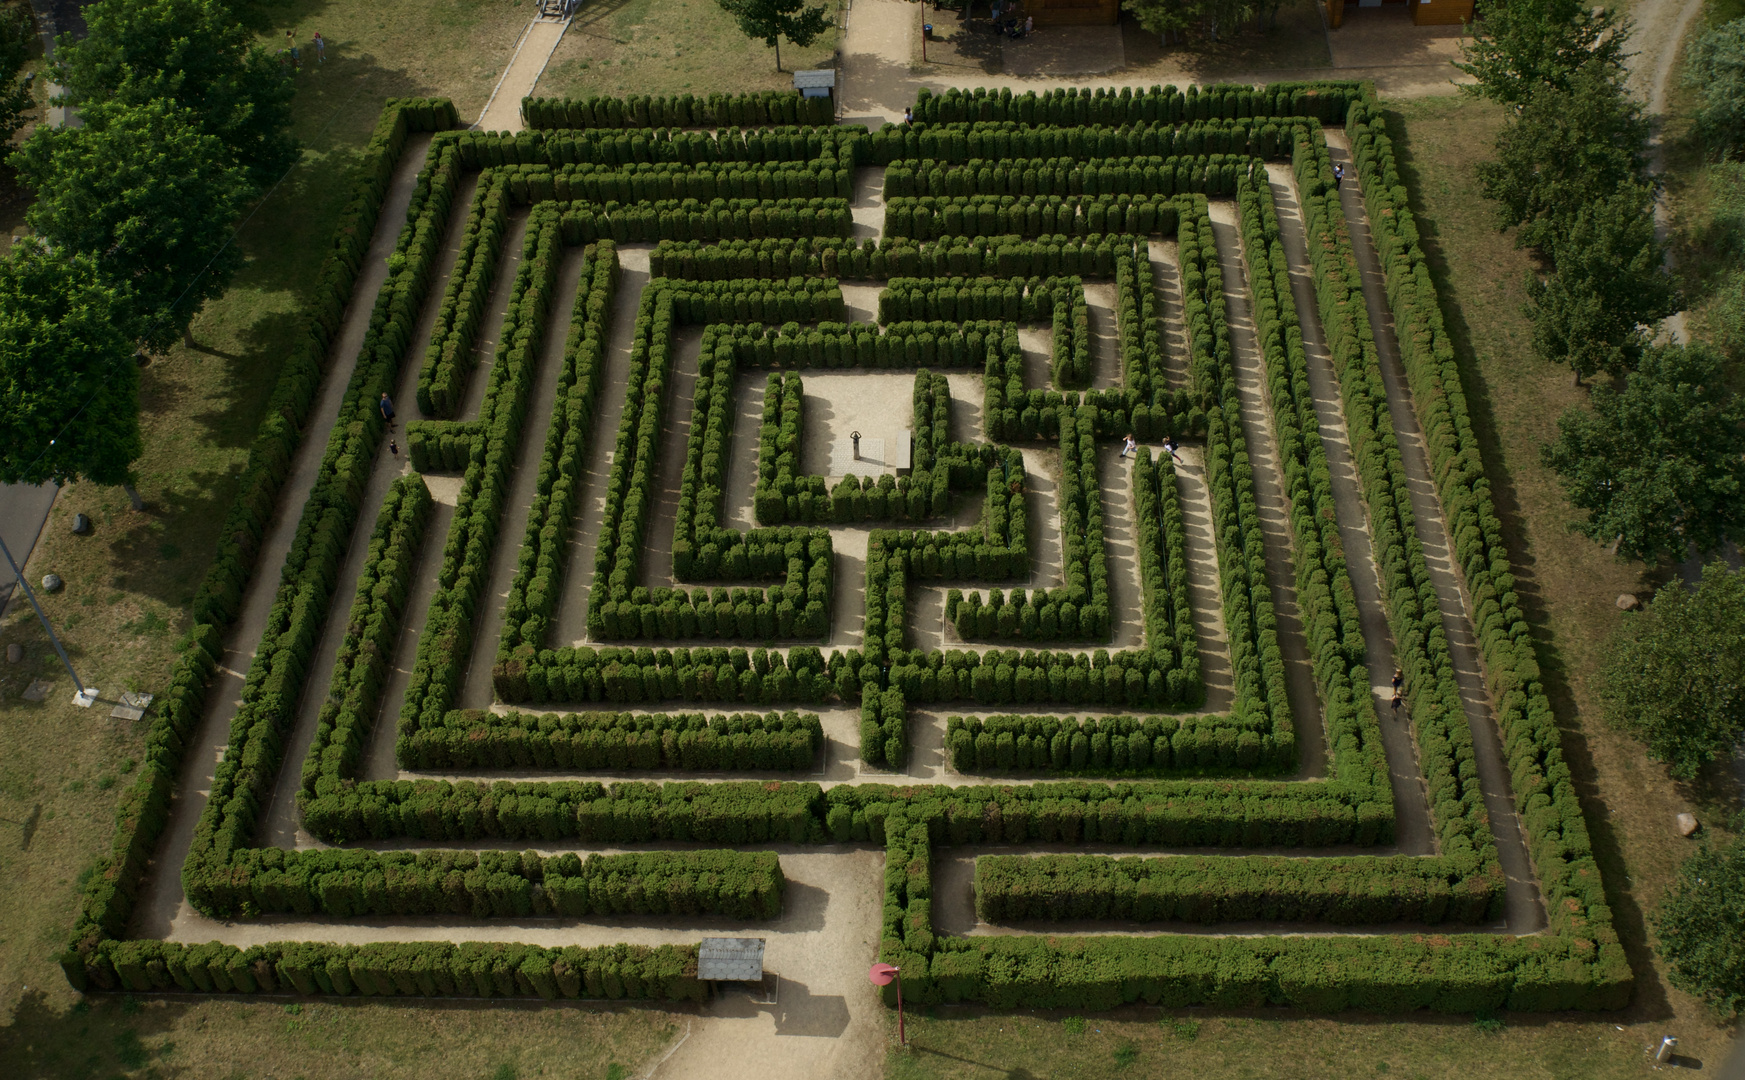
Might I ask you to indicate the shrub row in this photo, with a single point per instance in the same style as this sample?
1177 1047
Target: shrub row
472 969
274 684
931 344
450 358
974 143
796 300
884 728
616 741
365 657
1326 101
488 149
907 922
630 676
1068 177
876 260
767 181
677 110
1349 891
931 217
732 813
447 639
1545 796
534 594
966 299
1161 535
692 219
1446 754
1124 745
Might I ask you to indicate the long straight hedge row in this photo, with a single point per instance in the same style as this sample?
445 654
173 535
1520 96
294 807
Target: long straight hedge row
1050 256
727 143
677 110
472 969
997 143
1111 745
1068 177
930 217
1344 891
1084 106
1544 790
142 809
450 358
616 741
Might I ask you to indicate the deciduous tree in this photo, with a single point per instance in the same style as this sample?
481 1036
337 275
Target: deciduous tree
1701 926
69 389
197 54
771 20
1659 465
150 196
16 37
1716 68
1519 47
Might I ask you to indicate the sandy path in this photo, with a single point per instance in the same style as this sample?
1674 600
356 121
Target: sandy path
491 322
1269 493
1524 910
1412 829
161 896
503 111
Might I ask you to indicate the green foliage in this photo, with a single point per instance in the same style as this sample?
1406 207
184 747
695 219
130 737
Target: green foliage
620 742
67 374
1701 927
1521 47
1656 465
769 21
1567 149
1595 311
195 53
142 189
1675 674
1715 66
17 38
677 110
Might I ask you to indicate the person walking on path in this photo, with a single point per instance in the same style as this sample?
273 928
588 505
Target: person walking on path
394 448
320 48
387 408
1169 448
908 114
1129 447
1399 680
1338 176
1396 703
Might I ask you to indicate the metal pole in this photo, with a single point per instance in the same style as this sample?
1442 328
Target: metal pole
901 1039
19 574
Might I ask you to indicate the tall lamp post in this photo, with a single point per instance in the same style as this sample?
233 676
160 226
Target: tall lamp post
881 975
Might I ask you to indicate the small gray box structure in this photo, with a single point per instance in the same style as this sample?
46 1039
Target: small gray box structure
730 959
815 83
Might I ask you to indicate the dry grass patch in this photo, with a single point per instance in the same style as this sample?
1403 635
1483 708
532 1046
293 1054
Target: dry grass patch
670 47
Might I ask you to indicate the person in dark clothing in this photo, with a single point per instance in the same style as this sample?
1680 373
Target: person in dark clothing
387 408
1399 679
1396 703
1338 175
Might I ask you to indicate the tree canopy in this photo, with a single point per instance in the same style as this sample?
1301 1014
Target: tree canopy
1610 285
1521 46
16 38
1660 464
69 389
769 21
1716 68
1701 926
197 54
1570 147
1676 674
147 193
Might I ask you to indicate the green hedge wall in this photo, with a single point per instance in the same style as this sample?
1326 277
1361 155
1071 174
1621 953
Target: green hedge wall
1343 891
884 728
677 110
1326 101
1112 745
929 217
473 969
142 809
471 739
451 357
718 219
1068 177
725 145
998 143
1050 256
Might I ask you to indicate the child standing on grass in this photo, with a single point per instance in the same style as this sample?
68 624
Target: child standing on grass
320 49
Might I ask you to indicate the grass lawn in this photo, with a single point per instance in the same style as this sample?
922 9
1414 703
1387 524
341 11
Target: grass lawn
125 605
670 47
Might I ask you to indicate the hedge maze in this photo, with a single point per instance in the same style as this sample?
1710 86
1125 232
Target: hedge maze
700 706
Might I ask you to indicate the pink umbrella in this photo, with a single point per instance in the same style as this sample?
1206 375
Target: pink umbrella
881 974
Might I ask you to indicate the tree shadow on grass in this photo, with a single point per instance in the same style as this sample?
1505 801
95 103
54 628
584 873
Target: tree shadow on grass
1628 917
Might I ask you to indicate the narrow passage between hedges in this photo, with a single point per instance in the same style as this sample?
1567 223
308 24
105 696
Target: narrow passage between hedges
1413 831
1305 699
1525 912
161 899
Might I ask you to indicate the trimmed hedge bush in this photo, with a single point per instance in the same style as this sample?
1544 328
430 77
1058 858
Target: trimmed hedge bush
677 110
472 739
1352 891
1083 105
1112 745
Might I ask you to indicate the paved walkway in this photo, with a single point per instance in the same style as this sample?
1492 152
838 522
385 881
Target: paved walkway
526 65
